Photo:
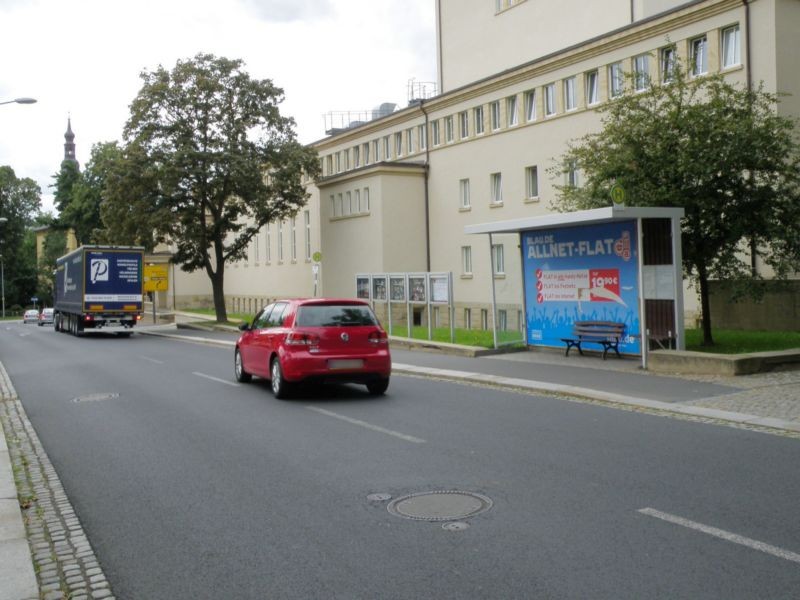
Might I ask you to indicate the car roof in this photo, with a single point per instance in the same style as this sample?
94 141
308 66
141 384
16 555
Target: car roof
312 301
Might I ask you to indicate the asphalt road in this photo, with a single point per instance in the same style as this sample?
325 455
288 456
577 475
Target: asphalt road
191 486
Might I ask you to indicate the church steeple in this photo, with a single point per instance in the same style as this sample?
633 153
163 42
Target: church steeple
69 145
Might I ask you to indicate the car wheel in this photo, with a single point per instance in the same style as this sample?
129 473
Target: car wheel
238 368
280 387
378 387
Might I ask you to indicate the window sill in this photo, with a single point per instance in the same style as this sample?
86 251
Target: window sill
495 204
499 275
466 276
464 208
532 200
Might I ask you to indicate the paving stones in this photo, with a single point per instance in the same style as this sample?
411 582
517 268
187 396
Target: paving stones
65 564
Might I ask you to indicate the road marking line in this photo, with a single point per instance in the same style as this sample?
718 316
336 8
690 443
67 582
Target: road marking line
722 534
397 434
217 379
155 360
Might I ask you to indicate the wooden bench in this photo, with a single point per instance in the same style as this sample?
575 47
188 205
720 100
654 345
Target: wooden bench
606 333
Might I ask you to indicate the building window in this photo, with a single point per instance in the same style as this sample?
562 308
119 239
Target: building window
365 200
346 154
329 165
498 260
731 51
463 193
466 260
448 129
530 105
338 162
570 100
463 121
496 181
592 88
641 72
550 99
337 211
467 318
398 144
256 256
280 240
502 320
307 227
532 182
616 78
377 150
668 58
387 148
423 139
357 201
357 156
366 153
294 239
494 108
435 133
478 120
268 245
573 179
511 110
409 140
698 55
484 319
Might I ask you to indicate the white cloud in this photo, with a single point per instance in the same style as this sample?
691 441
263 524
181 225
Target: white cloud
84 59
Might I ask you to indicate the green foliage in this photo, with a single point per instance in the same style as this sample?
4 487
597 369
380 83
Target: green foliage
65 181
208 161
719 151
20 199
731 341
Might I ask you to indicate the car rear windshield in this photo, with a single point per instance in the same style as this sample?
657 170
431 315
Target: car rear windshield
335 315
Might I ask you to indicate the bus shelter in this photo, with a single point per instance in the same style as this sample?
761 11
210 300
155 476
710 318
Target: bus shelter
618 264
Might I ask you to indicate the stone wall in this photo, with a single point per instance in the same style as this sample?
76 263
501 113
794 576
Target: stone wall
778 310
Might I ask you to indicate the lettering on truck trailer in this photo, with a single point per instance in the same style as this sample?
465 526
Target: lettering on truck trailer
99 269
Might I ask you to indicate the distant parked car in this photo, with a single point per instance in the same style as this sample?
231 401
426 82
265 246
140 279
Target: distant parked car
316 340
31 316
46 317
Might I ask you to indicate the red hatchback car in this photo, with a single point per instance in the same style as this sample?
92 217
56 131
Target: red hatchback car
314 340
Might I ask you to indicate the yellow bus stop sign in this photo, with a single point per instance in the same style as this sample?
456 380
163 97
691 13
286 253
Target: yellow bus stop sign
156 278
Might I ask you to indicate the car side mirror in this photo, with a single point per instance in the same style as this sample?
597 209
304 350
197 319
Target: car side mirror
244 326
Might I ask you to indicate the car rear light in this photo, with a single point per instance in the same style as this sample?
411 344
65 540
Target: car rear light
88 318
138 317
379 338
296 338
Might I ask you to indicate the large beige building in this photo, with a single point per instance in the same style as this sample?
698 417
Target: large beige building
518 80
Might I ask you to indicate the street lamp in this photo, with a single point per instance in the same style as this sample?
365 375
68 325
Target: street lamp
20 101
3 221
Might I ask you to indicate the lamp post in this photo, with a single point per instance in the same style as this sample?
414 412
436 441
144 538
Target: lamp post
20 101
3 221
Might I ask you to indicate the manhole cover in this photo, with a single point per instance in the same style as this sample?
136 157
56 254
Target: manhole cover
450 505
96 397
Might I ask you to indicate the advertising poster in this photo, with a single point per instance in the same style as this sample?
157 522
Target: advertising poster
440 289
113 280
583 273
379 288
362 288
416 289
397 287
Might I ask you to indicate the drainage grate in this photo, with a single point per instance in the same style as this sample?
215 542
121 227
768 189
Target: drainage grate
96 397
449 505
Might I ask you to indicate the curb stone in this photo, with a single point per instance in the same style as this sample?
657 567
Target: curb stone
60 558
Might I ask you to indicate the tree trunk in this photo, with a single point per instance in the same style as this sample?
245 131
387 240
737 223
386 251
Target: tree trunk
705 306
217 277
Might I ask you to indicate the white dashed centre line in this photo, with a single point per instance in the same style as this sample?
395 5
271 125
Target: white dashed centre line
154 360
397 434
722 534
217 379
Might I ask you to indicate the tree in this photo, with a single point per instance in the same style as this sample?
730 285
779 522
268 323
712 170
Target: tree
65 181
20 199
719 151
80 210
221 162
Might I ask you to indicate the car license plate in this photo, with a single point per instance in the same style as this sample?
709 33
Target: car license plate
353 363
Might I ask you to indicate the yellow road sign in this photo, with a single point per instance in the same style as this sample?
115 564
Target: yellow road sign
156 278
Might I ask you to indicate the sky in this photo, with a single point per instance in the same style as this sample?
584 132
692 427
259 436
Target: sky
83 59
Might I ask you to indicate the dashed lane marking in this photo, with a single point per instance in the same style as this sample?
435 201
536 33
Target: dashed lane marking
217 379
397 434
